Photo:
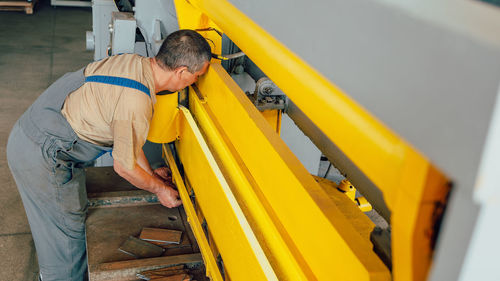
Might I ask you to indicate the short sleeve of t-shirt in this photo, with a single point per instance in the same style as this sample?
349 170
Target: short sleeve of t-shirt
130 126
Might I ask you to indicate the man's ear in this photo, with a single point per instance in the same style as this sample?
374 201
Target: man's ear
179 70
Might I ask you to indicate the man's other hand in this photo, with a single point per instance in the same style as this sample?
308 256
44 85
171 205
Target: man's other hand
169 197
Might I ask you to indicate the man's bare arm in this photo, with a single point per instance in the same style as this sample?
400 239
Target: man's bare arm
140 178
142 161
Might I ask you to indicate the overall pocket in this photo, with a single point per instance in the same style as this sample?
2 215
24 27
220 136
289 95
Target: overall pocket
71 194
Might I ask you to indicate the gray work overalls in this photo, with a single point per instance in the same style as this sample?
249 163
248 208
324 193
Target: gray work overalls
47 160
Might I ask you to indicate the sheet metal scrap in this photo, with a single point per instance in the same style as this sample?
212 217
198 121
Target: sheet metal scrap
140 249
185 243
179 277
170 273
161 236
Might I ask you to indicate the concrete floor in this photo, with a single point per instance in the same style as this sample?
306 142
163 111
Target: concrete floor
34 51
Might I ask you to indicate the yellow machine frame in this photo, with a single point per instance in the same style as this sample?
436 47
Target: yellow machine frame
266 216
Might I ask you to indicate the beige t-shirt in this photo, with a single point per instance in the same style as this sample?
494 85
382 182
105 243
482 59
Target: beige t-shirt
110 115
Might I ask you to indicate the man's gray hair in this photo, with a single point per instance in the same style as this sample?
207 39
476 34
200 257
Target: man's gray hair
184 47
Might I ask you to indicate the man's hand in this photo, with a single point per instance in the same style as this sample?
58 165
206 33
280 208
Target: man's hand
163 173
169 197
159 183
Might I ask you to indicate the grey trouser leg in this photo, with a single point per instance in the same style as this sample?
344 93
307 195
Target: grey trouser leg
54 197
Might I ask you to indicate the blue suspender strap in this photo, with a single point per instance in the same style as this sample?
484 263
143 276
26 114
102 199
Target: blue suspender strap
118 81
104 152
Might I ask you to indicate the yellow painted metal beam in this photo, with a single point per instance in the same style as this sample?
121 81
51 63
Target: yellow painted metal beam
243 256
323 243
286 262
212 271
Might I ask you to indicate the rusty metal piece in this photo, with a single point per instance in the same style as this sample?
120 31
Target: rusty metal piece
161 272
121 199
127 270
140 249
160 235
178 277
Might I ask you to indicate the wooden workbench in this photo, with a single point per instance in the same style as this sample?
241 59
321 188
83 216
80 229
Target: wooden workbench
120 210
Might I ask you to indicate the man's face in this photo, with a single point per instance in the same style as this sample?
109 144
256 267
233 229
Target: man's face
186 78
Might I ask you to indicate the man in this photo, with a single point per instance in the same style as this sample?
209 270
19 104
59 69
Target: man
105 106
